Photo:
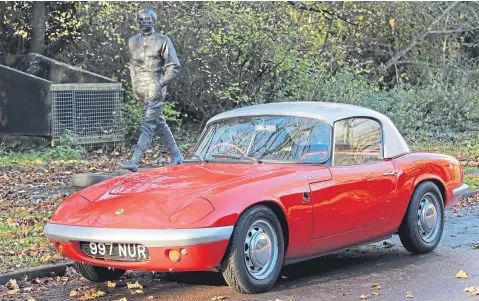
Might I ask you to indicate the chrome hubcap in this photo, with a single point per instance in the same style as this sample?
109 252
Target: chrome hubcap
260 249
428 219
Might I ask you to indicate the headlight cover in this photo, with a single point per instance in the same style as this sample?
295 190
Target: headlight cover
193 212
70 205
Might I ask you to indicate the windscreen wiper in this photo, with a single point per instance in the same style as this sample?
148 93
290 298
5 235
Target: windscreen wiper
237 158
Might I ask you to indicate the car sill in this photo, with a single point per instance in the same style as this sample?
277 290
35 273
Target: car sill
148 237
296 260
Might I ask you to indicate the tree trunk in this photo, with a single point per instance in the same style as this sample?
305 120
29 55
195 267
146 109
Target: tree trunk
37 43
3 35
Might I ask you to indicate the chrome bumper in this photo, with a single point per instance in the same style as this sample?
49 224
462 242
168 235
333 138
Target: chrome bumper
460 190
148 237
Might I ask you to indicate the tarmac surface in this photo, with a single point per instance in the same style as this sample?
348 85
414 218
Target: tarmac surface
344 275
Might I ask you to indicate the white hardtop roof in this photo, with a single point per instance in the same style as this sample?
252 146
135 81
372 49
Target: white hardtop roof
394 143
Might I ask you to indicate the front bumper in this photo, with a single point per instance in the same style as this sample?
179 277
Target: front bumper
205 246
459 191
148 237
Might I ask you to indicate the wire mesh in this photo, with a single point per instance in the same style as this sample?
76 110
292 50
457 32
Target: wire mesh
87 114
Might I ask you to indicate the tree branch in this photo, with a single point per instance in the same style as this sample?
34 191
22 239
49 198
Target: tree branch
453 30
303 6
419 38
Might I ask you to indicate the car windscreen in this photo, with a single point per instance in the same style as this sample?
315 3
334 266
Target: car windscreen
281 138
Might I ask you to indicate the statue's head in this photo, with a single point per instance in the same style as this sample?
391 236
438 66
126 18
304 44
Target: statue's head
146 19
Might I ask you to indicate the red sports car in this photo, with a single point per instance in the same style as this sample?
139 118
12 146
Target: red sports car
268 185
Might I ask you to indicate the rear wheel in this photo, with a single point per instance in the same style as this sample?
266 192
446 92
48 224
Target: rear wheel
98 274
422 226
255 254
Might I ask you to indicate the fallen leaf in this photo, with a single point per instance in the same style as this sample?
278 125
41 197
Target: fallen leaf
134 285
150 297
473 290
111 284
409 294
45 258
122 299
219 298
31 299
375 286
136 292
364 296
73 293
375 293
392 22
387 245
462 275
475 246
12 284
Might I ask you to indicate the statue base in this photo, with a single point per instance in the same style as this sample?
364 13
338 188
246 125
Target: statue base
82 180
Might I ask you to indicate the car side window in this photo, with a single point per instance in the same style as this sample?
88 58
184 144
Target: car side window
356 141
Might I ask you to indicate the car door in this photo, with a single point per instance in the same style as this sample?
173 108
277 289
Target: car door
363 185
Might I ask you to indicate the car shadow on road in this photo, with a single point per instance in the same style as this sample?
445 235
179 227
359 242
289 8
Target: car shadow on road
342 265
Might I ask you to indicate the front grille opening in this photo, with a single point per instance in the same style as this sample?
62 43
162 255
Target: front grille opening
115 252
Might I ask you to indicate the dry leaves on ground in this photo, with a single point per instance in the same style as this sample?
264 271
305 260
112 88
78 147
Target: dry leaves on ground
409 294
87 294
219 298
462 275
111 284
364 297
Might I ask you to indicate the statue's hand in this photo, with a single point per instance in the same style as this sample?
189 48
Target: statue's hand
155 92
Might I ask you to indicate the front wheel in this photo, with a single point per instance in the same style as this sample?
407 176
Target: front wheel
255 254
422 226
98 274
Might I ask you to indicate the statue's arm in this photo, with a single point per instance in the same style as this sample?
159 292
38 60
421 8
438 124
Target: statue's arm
172 63
131 67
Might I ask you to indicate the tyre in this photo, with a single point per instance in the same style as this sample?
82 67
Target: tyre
422 226
98 274
255 255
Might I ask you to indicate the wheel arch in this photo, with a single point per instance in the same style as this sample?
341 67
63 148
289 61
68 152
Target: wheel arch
279 212
437 181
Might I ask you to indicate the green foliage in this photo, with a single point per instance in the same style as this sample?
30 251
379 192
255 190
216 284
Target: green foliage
428 111
241 53
41 156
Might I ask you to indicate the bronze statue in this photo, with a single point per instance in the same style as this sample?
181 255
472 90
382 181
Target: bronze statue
153 65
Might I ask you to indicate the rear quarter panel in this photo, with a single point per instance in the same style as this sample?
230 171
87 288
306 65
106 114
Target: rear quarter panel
418 167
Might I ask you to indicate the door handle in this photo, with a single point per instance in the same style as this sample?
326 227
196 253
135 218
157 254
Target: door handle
305 197
390 173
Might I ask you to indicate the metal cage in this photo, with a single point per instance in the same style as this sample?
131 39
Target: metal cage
43 97
86 113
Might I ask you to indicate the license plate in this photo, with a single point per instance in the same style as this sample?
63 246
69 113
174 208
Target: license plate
116 252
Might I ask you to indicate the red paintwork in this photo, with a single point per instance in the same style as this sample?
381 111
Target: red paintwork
348 205
199 258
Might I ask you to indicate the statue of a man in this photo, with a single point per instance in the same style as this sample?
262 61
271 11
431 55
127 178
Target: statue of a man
153 65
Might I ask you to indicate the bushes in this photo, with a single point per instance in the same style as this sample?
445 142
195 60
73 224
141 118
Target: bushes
420 112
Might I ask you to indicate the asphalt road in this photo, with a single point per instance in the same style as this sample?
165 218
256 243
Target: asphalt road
342 276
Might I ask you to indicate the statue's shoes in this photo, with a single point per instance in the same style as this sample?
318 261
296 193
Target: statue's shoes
177 159
130 165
